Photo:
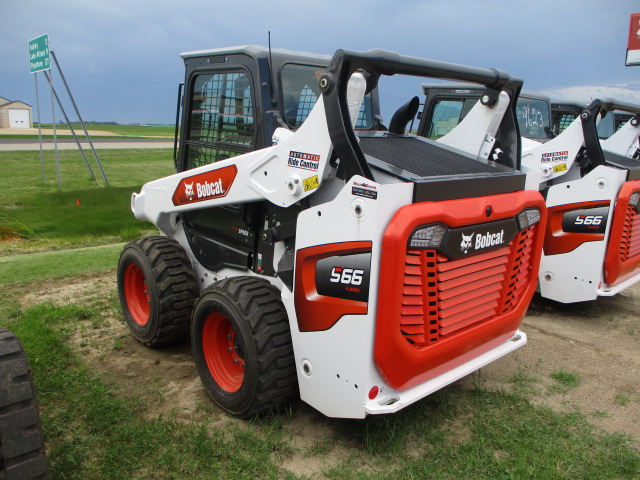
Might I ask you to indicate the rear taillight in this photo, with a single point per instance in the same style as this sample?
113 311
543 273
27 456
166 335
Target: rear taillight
428 236
528 217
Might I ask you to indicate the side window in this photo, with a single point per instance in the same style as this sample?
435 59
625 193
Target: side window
562 121
606 126
446 116
222 122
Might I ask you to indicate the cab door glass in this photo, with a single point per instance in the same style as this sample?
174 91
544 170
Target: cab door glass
446 115
221 117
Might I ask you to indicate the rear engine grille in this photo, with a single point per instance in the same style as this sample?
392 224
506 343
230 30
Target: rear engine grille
630 239
442 297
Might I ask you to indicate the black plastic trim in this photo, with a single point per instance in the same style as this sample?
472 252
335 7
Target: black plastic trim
450 188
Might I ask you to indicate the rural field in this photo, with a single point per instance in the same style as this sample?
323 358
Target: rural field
96 131
565 406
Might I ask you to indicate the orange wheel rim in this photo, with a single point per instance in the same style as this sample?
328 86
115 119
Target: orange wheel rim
137 294
222 352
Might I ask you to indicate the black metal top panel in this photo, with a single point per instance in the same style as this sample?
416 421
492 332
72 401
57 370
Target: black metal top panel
620 161
424 158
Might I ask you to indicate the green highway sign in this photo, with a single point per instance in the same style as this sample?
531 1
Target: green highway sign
39 54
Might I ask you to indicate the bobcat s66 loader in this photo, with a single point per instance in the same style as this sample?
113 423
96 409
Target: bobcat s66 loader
590 244
310 250
592 192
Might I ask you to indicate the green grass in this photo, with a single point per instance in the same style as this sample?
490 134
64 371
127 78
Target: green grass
20 269
83 212
92 432
622 399
565 381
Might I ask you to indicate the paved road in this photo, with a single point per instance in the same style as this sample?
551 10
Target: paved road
70 143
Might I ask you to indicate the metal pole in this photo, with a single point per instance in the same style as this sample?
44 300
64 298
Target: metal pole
35 76
55 136
75 107
73 132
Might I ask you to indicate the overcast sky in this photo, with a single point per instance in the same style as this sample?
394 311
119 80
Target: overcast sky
122 57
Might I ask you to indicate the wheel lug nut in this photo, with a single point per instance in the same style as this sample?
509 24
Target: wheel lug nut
229 349
235 360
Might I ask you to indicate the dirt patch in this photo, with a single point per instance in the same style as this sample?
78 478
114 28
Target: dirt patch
596 343
599 342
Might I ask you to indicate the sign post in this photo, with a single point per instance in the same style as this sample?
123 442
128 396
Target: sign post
40 60
633 46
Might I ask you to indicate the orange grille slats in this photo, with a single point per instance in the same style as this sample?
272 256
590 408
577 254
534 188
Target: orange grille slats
411 311
447 289
469 299
448 265
412 270
465 321
468 269
413 280
454 288
411 291
410 300
442 296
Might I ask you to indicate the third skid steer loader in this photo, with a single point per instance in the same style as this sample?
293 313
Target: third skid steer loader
310 250
591 187
592 192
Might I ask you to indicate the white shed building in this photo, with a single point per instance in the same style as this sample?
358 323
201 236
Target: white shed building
15 114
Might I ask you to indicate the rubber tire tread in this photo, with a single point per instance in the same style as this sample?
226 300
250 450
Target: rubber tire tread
270 378
22 452
173 286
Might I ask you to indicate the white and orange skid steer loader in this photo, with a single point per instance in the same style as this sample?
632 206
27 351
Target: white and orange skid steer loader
592 244
308 248
592 192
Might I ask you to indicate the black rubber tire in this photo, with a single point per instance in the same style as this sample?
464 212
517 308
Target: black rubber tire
262 340
22 452
162 266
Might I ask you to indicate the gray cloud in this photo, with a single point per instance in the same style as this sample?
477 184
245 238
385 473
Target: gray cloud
122 57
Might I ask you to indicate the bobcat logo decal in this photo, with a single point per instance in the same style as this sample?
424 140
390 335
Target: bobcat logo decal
188 190
466 242
205 186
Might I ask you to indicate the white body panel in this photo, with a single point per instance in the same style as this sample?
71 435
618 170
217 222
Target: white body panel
578 275
556 157
478 128
335 367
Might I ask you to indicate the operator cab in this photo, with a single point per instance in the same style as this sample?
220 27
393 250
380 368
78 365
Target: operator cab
447 105
234 100
563 113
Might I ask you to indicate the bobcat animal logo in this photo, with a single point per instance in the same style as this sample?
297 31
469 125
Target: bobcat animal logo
188 190
466 242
